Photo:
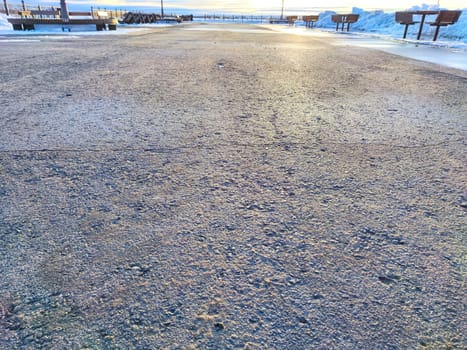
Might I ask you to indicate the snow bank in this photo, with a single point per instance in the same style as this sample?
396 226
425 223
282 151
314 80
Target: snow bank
379 22
4 25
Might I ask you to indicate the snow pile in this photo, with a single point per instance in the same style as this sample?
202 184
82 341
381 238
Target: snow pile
379 22
4 25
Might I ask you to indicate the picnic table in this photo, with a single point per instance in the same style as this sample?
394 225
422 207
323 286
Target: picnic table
310 20
444 18
344 18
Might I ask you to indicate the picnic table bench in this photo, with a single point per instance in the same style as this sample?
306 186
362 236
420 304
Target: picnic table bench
347 18
444 19
405 18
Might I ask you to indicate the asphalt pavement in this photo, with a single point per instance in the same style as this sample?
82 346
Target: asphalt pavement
229 187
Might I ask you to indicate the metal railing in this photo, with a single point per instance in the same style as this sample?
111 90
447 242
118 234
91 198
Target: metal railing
94 12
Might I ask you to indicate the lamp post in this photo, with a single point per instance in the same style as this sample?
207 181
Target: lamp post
162 8
282 10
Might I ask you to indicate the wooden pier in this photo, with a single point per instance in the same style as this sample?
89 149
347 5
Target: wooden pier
29 19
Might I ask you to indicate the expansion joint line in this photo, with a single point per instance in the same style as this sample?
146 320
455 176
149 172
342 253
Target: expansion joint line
235 144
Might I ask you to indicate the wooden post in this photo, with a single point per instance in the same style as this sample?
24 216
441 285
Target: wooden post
435 37
405 31
64 10
7 11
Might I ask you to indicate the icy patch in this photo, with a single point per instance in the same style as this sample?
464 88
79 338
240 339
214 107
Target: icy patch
10 40
445 53
252 30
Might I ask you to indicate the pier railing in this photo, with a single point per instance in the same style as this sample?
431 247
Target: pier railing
94 12
97 12
234 18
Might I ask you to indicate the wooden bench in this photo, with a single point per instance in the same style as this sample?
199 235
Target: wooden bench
291 19
444 19
310 20
405 18
349 18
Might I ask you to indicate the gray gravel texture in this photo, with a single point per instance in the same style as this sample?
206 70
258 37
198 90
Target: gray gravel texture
229 187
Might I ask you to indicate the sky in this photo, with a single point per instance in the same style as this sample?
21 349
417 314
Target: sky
261 6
